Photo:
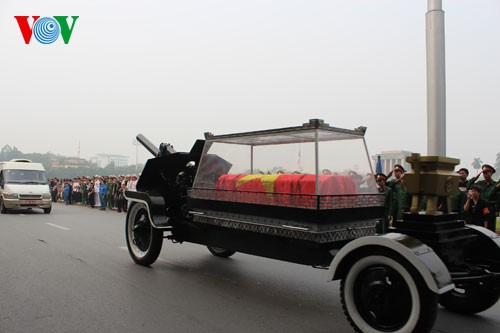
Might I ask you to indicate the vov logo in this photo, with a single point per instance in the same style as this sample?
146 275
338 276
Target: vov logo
46 29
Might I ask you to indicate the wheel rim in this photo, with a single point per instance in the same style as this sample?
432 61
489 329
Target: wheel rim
140 233
371 284
382 298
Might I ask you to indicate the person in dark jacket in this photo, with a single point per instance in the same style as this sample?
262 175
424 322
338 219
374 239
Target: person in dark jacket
90 195
476 209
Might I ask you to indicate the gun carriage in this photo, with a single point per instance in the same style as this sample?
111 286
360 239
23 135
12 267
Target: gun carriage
229 193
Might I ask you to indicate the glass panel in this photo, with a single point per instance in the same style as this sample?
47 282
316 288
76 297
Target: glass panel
344 167
25 176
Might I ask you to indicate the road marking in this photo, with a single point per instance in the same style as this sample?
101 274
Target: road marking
57 226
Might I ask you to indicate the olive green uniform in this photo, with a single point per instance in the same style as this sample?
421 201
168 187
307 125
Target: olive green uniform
109 199
400 201
459 197
84 193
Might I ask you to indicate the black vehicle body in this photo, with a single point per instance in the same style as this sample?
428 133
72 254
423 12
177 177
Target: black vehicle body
180 197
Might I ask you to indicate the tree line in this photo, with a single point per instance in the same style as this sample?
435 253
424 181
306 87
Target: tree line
58 166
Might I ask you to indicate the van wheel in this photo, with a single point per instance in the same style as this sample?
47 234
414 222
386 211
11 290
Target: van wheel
47 210
3 210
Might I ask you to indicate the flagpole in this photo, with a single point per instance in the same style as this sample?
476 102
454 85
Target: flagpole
436 79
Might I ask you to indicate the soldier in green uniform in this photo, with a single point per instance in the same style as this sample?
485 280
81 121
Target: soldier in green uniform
401 199
380 179
490 191
84 191
459 198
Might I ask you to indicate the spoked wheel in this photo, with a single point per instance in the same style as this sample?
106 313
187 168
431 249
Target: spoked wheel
220 252
383 292
471 298
143 241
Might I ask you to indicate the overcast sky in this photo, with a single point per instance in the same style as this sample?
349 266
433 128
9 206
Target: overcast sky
173 70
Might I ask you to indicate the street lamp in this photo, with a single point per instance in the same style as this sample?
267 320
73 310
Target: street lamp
136 144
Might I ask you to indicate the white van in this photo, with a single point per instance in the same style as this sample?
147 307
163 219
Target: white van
23 184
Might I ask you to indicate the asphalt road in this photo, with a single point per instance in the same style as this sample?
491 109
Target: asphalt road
69 271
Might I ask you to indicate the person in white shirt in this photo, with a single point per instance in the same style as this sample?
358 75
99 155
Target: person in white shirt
131 185
97 184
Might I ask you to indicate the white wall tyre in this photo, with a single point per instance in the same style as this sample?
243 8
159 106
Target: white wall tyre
143 241
383 292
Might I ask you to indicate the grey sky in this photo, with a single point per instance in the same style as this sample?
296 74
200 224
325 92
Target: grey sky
173 70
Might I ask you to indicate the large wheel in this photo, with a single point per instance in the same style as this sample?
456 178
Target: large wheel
47 210
383 292
143 241
220 252
470 298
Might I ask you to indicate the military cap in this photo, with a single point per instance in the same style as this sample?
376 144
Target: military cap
464 170
380 176
487 167
399 167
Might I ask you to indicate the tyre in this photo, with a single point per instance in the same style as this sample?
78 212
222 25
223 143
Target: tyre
3 210
471 298
47 210
220 252
143 241
383 292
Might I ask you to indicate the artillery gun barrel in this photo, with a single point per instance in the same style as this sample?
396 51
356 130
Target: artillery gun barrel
147 144
163 150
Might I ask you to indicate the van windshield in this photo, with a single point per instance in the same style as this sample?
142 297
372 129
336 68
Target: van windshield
14 176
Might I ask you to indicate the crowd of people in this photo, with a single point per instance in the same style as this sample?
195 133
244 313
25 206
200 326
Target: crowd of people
476 202
102 192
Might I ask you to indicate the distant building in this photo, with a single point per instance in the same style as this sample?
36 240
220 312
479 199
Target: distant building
69 162
103 160
391 158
